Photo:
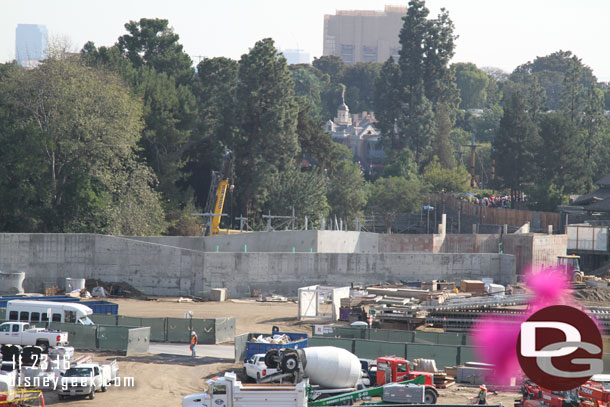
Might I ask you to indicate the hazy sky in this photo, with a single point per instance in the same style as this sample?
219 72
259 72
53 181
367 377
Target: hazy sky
499 33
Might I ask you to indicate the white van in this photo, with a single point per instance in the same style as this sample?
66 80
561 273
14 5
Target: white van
43 311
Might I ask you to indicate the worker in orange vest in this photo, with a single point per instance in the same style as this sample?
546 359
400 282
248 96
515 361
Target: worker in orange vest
194 340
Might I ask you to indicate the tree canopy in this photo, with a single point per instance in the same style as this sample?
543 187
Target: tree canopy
81 128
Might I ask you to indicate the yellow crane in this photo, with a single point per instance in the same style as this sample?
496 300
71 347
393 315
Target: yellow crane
217 194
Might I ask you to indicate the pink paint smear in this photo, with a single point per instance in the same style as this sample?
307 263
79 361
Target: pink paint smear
496 340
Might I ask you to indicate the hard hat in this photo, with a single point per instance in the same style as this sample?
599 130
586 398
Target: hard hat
483 387
193 333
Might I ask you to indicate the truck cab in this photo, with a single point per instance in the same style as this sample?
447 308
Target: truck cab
87 378
391 369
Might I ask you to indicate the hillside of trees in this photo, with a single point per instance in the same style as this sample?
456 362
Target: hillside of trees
122 139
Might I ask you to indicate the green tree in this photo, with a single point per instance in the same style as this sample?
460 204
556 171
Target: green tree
315 144
346 191
303 191
217 125
309 86
360 80
415 124
535 99
561 156
514 146
82 132
594 123
441 179
387 104
151 42
441 147
486 126
472 83
169 114
152 62
334 67
22 167
390 197
400 164
546 196
331 65
267 115
426 81
550 71
572 94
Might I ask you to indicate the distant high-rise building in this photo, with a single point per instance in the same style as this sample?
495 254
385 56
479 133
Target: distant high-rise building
363 35
31 44
296 56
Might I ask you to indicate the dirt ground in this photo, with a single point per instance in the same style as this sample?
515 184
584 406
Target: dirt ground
162 380
250 315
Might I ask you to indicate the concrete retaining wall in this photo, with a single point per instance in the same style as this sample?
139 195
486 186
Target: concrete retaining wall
152 268
287 271
158 269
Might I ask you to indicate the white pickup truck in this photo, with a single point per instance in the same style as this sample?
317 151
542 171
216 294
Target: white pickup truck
86 379
256 369
20 333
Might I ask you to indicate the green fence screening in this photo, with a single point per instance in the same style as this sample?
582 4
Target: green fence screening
391 335
347 344
158 328
209 331
374 349
79 336
468 354
112 337
128 321
178 330
206 331
444 355
100 319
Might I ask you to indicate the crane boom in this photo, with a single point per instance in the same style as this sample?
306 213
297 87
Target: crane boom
218 193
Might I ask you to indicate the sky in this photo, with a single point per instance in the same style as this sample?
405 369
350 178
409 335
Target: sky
492 33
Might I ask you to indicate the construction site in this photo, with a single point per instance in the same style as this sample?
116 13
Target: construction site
279 306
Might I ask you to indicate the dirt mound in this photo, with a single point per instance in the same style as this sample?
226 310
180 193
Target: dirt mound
120 289
599 294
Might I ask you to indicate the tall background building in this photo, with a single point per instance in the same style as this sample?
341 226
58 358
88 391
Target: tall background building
31 44
363 35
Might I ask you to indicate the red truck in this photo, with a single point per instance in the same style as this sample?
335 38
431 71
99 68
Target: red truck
391 369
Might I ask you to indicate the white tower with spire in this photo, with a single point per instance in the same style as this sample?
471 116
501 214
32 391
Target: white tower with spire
343 116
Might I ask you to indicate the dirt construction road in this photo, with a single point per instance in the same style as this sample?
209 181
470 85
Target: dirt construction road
163 379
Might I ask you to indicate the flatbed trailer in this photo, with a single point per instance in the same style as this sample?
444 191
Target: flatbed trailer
359 395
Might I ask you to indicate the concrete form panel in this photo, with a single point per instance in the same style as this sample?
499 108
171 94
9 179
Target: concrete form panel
138 341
